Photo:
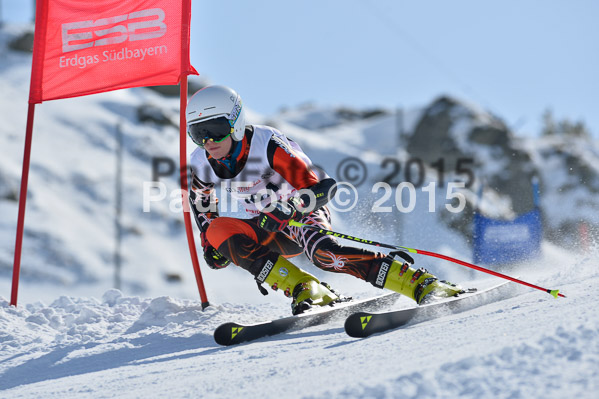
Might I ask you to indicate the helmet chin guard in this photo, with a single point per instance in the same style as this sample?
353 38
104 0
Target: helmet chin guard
214 102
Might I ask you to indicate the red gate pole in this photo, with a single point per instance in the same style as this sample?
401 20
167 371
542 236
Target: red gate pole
185 192
16 269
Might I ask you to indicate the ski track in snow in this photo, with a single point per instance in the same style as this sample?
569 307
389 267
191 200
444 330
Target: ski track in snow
524 344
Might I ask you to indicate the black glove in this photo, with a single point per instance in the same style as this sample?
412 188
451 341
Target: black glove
280 216
213 258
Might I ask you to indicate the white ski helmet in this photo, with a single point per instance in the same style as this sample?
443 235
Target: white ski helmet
213 102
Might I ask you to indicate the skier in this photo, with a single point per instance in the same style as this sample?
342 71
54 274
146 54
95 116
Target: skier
272 177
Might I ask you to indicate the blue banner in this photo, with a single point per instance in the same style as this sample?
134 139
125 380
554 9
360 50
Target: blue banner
502 242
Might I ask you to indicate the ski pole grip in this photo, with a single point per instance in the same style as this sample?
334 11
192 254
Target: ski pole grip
296 224
309 226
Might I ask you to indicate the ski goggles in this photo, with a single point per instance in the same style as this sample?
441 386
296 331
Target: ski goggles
217 130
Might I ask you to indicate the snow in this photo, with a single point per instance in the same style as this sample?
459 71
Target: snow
524 344
73 336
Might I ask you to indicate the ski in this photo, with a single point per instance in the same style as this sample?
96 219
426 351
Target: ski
234 333
363 323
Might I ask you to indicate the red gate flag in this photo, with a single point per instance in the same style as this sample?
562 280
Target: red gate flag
87 47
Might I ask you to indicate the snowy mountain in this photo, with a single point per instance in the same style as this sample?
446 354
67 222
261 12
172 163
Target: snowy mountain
74 336
452 140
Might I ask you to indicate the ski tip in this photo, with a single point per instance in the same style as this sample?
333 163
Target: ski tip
228 334
356 323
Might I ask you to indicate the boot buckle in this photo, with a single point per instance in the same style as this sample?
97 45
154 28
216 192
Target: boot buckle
417 275
404 268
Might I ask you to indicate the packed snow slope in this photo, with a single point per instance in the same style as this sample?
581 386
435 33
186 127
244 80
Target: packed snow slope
74 336
524 344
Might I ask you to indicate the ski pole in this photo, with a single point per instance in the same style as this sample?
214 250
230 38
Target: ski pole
554 293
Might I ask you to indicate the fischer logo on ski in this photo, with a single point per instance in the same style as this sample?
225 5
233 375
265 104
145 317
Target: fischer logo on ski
365 320
235 331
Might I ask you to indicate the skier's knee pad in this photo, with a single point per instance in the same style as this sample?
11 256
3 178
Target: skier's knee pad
223 228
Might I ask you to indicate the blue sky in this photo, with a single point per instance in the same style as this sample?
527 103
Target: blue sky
515 59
